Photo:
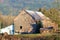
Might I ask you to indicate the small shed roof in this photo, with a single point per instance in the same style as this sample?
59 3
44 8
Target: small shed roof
7 29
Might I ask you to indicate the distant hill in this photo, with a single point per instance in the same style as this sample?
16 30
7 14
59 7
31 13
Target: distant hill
13 6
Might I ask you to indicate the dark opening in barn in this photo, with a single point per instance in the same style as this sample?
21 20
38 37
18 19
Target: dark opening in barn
39 25
20 27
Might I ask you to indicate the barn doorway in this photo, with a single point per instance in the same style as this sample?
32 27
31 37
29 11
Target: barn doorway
39 25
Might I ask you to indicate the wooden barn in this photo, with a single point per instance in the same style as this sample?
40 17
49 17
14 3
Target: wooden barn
26 21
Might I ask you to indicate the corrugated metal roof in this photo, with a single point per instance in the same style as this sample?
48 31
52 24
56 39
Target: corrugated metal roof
36 15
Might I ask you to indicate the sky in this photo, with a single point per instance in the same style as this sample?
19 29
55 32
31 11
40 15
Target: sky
13 6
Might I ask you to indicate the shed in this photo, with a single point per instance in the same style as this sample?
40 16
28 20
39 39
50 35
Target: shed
8 29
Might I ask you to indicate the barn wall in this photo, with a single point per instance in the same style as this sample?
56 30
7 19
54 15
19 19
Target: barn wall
24 20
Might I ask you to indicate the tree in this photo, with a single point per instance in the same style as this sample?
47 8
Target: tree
53 14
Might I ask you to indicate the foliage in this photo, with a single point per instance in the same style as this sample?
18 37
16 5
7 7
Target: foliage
53 14
57 37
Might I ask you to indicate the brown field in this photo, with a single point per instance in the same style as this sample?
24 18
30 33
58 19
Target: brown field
29 37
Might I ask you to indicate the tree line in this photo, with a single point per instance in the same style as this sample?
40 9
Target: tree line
53 14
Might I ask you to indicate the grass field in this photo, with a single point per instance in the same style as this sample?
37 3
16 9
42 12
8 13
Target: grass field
33 35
